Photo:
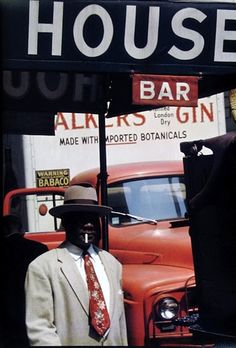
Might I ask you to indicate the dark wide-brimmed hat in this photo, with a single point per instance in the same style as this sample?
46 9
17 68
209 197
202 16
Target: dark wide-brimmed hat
80 199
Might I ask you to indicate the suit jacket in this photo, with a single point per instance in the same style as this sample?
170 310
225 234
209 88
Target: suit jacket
57 310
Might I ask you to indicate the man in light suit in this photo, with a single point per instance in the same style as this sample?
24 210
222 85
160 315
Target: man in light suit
57 296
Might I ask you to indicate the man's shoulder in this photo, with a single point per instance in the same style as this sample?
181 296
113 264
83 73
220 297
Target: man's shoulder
56 254
107 255
45 258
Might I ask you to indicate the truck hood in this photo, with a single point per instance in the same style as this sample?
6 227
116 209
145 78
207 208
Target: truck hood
148 244
152 278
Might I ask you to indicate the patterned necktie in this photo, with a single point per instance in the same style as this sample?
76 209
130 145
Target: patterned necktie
99 317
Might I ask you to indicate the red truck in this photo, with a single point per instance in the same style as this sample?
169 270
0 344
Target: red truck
148 233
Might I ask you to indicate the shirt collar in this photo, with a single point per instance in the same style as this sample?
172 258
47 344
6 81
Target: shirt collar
92 252
77 252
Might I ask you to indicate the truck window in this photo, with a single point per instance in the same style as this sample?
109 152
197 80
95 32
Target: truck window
33 210
157 198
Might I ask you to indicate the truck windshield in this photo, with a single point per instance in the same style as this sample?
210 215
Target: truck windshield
156 198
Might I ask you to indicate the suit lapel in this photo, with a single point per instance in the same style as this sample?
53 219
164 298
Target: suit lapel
72 275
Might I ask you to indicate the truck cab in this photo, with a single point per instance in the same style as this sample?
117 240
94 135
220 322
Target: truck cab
148 234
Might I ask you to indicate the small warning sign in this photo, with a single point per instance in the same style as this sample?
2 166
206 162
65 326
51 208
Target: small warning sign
52 178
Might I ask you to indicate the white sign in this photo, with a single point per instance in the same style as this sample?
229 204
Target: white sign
144 136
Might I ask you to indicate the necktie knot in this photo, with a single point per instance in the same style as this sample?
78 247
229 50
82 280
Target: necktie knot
85 253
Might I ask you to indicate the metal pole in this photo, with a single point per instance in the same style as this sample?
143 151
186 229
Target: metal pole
103 176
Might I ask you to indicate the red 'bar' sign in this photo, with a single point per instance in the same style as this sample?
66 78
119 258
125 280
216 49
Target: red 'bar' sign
165 90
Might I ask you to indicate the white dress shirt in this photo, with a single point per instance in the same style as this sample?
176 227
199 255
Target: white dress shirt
76 253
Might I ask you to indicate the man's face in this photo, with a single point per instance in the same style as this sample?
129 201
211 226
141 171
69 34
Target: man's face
82 229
